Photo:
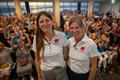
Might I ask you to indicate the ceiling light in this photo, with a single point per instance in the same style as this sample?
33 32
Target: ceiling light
113 1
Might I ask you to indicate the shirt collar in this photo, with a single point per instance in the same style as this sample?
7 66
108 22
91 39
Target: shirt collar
84 40
55 36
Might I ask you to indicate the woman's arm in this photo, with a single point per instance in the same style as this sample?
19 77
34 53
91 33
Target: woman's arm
93 67
66 53
100 43
37 65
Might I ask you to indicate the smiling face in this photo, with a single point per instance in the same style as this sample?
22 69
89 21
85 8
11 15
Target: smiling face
45 23
94 36
20 43
76 28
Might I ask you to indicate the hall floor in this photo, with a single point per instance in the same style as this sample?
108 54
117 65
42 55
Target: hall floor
108 76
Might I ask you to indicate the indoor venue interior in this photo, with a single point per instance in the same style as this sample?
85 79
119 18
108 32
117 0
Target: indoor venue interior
59 39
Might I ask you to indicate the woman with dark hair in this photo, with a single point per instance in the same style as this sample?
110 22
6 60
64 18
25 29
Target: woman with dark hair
51 49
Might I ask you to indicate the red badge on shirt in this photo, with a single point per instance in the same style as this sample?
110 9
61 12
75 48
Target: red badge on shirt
56 40
82 49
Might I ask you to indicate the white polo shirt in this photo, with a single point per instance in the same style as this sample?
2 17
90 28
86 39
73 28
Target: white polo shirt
53 52
79 55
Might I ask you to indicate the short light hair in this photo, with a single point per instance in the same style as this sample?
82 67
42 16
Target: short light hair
78 20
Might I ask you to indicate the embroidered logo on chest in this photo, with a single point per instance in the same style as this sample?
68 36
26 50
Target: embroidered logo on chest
56 40
82 49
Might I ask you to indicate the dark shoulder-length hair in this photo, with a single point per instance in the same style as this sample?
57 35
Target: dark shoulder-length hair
39 33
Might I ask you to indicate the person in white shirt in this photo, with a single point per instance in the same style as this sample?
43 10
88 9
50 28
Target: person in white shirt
83 52
51 48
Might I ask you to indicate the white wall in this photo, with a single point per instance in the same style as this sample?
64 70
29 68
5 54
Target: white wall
114 8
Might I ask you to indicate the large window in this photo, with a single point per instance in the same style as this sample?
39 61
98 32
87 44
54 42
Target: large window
68 6
84 7
23 7
8 8
4 9
33 7
41 6
11 8
96 7
49 6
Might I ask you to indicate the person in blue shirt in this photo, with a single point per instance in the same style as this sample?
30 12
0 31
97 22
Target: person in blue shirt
102 44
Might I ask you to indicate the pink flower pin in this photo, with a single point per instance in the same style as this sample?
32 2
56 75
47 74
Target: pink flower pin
56 40
82 49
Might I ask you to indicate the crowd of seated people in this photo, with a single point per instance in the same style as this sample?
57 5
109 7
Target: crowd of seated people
17 34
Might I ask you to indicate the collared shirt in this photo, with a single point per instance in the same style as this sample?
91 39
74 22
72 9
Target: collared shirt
53 51
79 55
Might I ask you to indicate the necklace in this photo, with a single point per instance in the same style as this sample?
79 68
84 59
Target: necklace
48 39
